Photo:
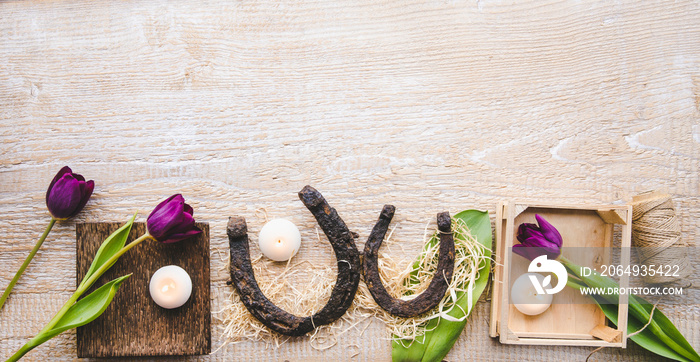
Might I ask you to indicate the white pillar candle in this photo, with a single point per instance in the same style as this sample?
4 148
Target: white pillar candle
279 239
525 298
170 286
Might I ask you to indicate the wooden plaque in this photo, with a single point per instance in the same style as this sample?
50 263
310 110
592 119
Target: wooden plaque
133 325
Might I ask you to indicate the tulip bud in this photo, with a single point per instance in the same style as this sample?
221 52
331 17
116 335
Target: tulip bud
538 240
172 221
67 194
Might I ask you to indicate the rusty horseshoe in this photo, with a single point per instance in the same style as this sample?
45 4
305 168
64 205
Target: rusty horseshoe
349 270
429 298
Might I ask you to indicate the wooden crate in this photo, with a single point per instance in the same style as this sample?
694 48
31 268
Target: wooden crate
571 324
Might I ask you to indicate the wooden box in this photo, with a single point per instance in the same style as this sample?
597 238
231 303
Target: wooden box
578 319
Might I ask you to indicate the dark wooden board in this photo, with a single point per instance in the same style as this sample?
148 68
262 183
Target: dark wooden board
133 325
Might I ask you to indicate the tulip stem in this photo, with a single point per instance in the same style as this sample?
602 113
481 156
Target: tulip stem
7 291
40 338
90 281
20 353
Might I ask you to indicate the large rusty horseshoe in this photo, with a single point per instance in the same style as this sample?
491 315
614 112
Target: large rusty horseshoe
349 270
438 285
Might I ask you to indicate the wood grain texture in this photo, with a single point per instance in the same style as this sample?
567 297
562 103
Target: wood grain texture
133 325
429 105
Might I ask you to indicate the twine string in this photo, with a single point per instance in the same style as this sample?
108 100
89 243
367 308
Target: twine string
656 232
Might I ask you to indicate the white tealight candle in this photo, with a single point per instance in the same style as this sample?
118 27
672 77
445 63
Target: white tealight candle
525 298
170 286
279 239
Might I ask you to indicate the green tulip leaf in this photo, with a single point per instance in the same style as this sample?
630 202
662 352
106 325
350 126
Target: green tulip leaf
76 313
646 339
661 327
83 311
111 246
660 336
442 334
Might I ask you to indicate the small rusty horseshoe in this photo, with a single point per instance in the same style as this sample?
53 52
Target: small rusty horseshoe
343 293
438 285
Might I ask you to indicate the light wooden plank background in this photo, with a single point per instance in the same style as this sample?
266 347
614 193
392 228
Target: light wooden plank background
429 105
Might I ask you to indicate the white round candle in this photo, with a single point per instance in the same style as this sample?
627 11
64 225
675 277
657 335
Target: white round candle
279 239
525 298
170 286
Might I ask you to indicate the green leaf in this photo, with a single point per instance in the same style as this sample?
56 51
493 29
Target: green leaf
441 334
661 327
646 339
660 336
113 244
83 311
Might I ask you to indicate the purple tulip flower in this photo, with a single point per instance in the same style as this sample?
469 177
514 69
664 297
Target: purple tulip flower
172 221
68 194
538 240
